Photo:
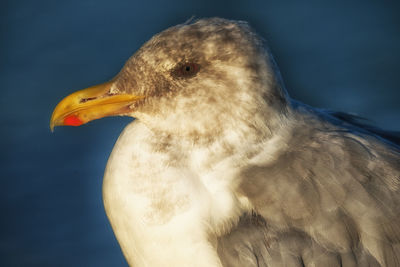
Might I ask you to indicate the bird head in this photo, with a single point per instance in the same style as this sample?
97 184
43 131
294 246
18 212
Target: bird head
189 78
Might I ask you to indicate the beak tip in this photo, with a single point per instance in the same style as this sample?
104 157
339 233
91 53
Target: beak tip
52 127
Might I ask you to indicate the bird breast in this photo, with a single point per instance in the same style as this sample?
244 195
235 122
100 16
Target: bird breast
157 190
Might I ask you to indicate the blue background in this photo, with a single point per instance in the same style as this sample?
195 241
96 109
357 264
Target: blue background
341 54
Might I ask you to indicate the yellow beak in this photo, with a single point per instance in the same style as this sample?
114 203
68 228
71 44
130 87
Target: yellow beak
90 104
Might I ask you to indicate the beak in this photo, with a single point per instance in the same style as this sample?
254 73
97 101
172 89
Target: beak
90 104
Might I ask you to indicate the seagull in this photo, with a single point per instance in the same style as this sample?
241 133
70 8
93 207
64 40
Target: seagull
222 168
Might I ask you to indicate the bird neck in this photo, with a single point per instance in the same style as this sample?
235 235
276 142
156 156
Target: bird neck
254 124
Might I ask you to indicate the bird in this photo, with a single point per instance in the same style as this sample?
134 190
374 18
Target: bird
221 167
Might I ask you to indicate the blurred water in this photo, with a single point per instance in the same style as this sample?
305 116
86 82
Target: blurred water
341 55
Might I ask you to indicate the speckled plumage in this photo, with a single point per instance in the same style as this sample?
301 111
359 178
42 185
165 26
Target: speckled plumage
222 168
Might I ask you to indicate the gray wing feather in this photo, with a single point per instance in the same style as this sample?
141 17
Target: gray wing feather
362 123
331 199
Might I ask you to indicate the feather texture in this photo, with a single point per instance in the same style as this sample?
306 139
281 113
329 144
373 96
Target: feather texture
333 189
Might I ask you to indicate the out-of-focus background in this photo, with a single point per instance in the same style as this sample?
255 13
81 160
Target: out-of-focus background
342 55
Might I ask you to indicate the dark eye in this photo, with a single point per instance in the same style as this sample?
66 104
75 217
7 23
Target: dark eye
186 70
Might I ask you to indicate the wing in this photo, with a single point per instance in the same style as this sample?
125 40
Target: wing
332 199
255 243
362 123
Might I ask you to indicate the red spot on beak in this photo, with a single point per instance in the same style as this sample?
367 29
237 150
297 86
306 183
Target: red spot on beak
72 120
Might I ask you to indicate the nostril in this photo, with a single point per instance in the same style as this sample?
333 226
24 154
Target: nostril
83 100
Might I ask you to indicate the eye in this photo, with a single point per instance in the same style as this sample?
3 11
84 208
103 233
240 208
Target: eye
186 70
